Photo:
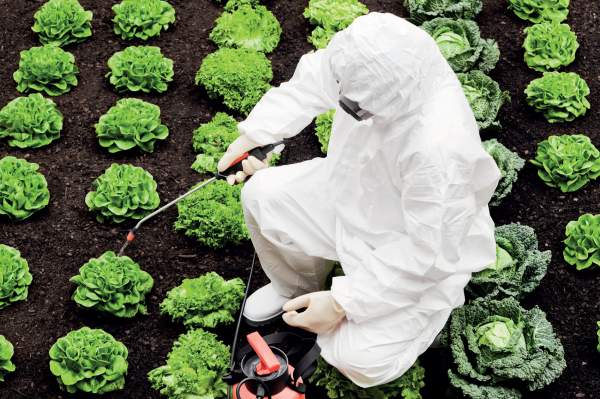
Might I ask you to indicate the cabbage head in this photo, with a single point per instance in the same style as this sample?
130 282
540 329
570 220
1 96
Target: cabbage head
518 269
60 22
213 216
509 164
239 76
250 28
485 98
142 19
129 124
112 285
30 122
123 192
425 10
6 353
549 46
89 360
462 46
14 277
204 301
140 68
537 11
567 162
583 242
500 350
194 368
23 190
339 386
46 69
559 96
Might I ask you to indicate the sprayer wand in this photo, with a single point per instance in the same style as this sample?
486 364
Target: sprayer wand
236 166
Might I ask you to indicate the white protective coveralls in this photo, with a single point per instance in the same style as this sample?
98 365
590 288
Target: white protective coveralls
401 200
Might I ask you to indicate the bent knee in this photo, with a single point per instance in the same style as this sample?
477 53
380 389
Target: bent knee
365 368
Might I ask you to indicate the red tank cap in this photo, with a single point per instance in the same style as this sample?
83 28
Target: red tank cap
268 362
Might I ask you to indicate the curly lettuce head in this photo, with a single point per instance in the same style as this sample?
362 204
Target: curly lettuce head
500 349
462 46
485 98
46 69
23 190
559 96
537 11
425 10
334 15
549 46
129 124
239 76
60 22
323 129
30 122
567 162
142 19
250 28
6 353
14 277
89 360
123 192
518 269
112 285
211 140
583 242
140 68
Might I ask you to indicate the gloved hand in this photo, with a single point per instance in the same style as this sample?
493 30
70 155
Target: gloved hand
251 165
321 315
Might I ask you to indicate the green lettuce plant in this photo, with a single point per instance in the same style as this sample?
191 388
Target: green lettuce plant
250 28
425 10
112 285
123 192
331 16
142 18
509 164
462 46
598 347
89 360
49 69
499 349
204 301
60 22
212 140
6 353
234 4
30 122
567 162
140 68
239 76
518 269
213 216
485 98
559 96
583 242
549 45
339 386
194 368
323 129
14 277
23 191
537 11
131 123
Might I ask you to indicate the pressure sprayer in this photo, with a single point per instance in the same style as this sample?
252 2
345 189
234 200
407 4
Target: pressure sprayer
260 369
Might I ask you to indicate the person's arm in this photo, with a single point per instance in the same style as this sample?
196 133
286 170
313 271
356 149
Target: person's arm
285 110
439 208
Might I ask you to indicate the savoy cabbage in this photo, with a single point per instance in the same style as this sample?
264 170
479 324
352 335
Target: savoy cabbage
426 10
485 98
509 164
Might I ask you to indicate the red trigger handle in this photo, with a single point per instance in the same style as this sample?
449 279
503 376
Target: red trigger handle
268 362
259 153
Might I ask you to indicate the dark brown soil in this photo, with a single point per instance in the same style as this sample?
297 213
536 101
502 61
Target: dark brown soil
61 238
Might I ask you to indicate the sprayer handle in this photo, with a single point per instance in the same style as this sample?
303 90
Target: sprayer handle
268 362
259 153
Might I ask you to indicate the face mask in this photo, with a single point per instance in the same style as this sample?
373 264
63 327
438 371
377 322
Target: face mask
353 109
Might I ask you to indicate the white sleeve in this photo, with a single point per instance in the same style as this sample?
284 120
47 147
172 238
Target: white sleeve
439 208
285 110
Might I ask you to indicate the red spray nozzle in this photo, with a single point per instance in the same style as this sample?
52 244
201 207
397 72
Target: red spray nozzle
130 237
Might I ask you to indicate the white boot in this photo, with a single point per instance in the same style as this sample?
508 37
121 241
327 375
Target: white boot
264 306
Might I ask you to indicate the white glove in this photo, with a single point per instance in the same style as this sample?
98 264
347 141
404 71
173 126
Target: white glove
251 165
322 313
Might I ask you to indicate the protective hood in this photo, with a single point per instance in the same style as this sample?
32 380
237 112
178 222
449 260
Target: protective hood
386 64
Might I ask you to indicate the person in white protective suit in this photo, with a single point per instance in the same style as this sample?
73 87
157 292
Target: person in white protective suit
400 200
